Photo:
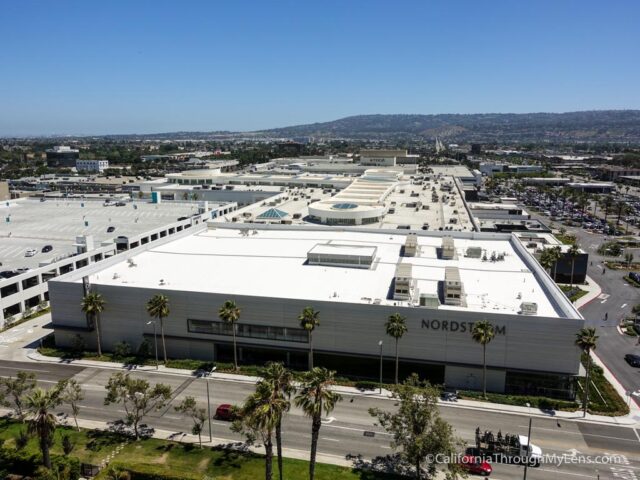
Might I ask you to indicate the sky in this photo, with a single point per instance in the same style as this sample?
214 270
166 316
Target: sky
135 66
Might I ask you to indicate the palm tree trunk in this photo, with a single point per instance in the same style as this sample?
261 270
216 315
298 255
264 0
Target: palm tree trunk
315 432
268 463
235 349
484 370
98 334
585 401
164 345
75 419
397 361
418 469
310 350
200 439
573 263
555 270
44 447
279 446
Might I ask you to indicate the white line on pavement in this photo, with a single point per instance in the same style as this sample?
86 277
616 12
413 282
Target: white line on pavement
330 439
25 369
623 305
583 434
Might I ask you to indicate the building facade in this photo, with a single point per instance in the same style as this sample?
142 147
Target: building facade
98 166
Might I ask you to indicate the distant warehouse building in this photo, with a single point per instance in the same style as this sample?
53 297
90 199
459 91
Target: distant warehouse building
356 279
98 166
62 156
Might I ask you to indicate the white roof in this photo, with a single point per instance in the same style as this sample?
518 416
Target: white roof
350 250
272 263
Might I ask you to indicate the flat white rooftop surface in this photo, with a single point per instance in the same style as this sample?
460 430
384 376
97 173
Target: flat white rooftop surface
273 263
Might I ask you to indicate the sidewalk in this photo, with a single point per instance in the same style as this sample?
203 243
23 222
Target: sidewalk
593 291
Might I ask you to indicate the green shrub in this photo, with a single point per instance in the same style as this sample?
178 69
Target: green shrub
121 350
367 385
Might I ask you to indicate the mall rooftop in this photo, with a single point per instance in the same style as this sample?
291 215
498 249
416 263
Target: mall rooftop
494 273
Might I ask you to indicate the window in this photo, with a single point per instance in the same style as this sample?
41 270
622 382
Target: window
247 330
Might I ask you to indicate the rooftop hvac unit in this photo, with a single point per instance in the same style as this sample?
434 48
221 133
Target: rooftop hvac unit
453 292
448 248
474 252
529 308
411 245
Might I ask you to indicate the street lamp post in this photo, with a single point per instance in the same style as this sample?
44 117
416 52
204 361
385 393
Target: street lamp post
209 403
526 464
155 340
380 345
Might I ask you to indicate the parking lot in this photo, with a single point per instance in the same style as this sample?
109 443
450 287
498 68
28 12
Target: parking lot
31 224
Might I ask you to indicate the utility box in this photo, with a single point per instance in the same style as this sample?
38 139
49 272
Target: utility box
453 292
403 282
448 248
411 245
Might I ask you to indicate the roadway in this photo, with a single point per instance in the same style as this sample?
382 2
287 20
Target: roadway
343 433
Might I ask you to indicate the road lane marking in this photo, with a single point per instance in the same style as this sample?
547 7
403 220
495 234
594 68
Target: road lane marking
330 439
357 430
583 434
24 369
623 305
603 301
636 432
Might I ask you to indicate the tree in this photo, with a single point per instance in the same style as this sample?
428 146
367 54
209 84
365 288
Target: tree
42 421
573 253
258 418
628 257
482 333
315 397
555 254
546 261
67 444
230 313
93 305
158 308
396 327
586 340
137 397
198 415
280 381
17 389
309 320
417 429
71 394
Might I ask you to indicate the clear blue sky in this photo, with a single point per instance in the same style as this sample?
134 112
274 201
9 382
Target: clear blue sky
92 67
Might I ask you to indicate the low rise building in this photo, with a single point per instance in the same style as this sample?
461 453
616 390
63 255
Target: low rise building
98 166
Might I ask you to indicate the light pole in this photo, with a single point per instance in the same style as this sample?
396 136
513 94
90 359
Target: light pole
380 345
208 374
526 464
155 340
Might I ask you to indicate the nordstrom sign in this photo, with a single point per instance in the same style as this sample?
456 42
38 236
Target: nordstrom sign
455 326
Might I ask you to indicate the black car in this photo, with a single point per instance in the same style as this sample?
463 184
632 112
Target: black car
633 360
111 229
47 248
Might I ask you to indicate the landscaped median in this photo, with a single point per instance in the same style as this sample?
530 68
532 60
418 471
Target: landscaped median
152 458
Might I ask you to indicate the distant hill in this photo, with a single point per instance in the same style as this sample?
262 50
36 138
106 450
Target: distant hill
588 126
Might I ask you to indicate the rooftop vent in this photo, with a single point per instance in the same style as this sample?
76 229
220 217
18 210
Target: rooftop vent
474 252
529 308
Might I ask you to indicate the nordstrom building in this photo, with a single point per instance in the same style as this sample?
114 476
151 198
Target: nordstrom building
356 279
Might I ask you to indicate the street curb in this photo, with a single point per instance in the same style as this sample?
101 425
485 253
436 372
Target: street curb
599 291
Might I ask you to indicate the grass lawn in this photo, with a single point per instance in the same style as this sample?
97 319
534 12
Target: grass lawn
188 462
175 460
90 446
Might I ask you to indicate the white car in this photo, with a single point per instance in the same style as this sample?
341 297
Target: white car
30 252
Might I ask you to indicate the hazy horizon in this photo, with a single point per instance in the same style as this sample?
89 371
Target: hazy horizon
85 68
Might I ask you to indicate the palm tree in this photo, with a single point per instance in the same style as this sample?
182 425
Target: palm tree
43 421
260 414
309 320
482 333
573 253
93 305
280 381
586 340
396 327
315 397
230 313
555 254
545 260
158 308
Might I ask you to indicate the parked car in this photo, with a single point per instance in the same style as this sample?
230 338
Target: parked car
111 229
47 248
227 412
632 359
30 252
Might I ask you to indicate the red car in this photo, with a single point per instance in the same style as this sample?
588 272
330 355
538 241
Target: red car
476 466
226 411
